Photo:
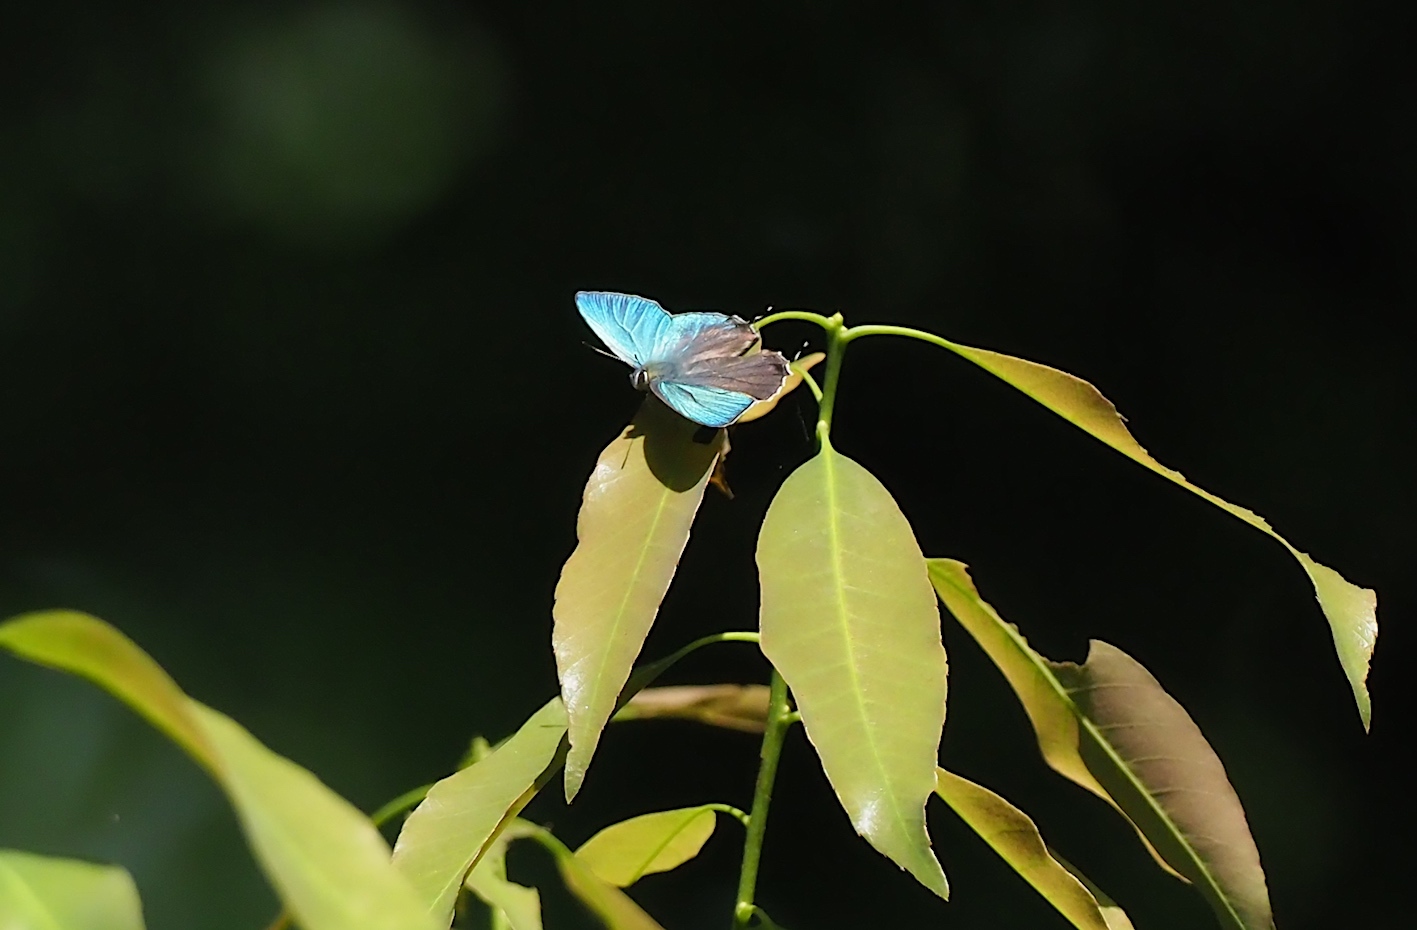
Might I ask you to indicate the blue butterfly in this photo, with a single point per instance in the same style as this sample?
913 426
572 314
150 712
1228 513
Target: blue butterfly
697 363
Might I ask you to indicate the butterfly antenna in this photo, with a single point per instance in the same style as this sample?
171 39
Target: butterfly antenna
601 351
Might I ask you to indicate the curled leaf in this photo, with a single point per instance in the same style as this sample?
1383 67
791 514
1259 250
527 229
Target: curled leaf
1351 611
1110 727
1012 834
735 707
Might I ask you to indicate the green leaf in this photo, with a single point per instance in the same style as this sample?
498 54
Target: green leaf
519 905
625 852
43 893
614 908
448 833
849 619
734 707
1110 727
1351 611
1012 834
634 522
324 857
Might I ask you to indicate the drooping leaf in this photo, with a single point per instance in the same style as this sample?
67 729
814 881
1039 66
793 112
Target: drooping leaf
612 906
448 833
849 619
1351 610
625 852
327 861
520 905
634 522
1110 727
1012 834
799 368
735 707
44 893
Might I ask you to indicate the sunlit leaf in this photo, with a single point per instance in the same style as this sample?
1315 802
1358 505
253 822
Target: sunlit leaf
735 707
1110 727
43 893
1012 834
325 858
764 407
520 905
634 522
849 619
611 905
448 833
625 852
1351 611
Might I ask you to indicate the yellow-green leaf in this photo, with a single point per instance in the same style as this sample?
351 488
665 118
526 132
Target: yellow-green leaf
849 619
520 905
1351 611
324 857
1012 834
735 707
625 852
634 522
449 831
1110 727
611 905
44 893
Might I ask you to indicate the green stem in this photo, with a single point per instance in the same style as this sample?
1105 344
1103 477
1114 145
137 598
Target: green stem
777 726
807 315
877 329
731 811
837 338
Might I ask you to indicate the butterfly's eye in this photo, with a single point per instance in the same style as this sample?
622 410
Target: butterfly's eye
640 379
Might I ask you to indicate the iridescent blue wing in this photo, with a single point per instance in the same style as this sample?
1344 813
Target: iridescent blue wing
634 328
708 406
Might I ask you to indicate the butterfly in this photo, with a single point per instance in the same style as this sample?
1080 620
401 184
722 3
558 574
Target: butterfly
698 363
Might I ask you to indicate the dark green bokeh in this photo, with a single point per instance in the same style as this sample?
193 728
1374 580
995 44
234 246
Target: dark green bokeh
295 394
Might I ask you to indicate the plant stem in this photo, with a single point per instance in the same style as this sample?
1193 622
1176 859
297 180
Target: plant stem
837 338
731 811
777 727
807 315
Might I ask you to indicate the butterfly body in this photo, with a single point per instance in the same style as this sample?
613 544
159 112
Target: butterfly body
701 364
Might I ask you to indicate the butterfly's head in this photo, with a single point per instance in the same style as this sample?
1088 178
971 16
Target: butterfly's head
640 379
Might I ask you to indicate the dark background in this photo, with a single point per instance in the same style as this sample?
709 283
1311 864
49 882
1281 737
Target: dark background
294 392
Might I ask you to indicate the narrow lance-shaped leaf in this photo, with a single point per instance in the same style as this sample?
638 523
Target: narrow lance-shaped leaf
609 904
1110 727
518 904
634 522
1012 834
449 831
734 707
1351 611
849 619
625 852
44 893
325 858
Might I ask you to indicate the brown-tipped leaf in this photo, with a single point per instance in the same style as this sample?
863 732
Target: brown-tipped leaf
1109 726
849 619
1012 834
735 707
1351 610
634 522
